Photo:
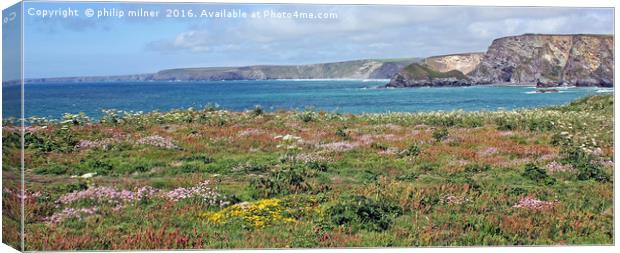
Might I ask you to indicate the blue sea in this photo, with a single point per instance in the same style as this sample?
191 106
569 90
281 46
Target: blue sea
346 96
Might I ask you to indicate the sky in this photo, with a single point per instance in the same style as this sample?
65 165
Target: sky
82 46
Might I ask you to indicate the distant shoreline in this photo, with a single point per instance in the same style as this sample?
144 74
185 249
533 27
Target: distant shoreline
36 81
16 83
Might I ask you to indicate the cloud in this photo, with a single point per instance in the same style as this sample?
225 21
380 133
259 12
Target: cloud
588 23
383 30
490 29
193 40
380 31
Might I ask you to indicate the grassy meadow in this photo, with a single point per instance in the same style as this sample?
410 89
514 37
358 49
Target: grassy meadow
210 178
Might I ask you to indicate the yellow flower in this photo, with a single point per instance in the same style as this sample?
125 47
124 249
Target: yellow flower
213 217
257 214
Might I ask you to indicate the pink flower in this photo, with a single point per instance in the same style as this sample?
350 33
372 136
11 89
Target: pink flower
488 151
201 191
107 194
339 146
531 203
119 199
453 200
558 167
250 132
310 158
146 192
178 194
102 144
157 141
69 213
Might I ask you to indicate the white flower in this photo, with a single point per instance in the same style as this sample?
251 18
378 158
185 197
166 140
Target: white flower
89 175
288 137
292 147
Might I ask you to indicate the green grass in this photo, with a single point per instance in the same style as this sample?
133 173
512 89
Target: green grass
417 71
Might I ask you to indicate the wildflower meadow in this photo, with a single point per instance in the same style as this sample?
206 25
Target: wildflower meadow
211 178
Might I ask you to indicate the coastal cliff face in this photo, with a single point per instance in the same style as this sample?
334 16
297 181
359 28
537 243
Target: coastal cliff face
465 63
549 60
444 70
361 69
545 60
592 62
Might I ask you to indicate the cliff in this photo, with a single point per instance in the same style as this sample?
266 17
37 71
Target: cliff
549 60
464 63
358 69
543 59
444 70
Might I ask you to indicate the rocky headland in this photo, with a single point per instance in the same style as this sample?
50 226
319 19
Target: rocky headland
542 59
436 71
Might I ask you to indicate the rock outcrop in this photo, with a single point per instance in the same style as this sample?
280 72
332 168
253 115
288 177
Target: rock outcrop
436 71
420 74
548 60
541 59
465 63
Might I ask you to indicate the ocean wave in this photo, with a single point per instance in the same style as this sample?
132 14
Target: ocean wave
537 92
332 79
605 90
374 87
375 80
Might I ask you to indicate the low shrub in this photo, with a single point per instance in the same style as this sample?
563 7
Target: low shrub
101 167
476 168
408 177
379 146
342 133
257 111
517 191
288 180
53 169
318 166
584 163
440 134
307 115
427 166
537 174
250 168
359 212
368 176
204 158
505 123
592 171
57 141
70 187
412 151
